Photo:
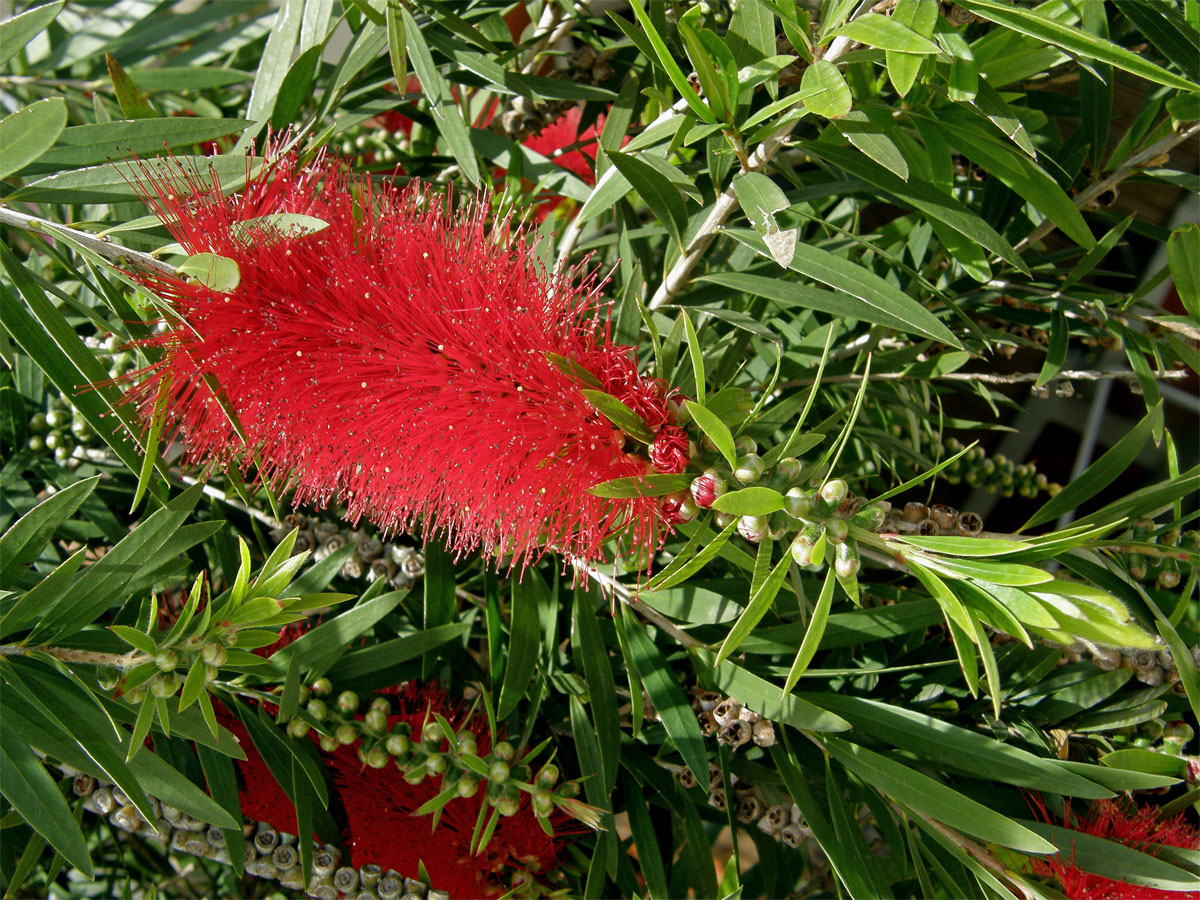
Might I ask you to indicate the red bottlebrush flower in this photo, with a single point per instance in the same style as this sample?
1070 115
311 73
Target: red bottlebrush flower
563 132
396 360
1116 820
262 799
670 452
381 827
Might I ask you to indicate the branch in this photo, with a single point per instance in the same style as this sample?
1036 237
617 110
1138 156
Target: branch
1092 191
113 253
621 591
995 378
85 657
757 161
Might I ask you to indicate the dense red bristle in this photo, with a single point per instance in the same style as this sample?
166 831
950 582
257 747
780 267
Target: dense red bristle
396 361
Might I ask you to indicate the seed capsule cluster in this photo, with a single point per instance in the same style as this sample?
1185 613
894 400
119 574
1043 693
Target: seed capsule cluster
1152 667
269 854
997 474
784 824
525 117
730 722
931 521
431 753
1162 558
372 558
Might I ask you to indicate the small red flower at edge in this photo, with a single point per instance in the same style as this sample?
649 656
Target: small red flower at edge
396 360
1118 820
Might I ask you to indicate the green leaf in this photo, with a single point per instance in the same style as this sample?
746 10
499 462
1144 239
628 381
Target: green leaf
1074 40
1183 254
670 701
664 58
872 140
135 638
826 92
28 133
397 47
1163 23
221 779
590 650
324 645
814 632
760 602
18 31
933 799
766 699
694 352
718 432
569 367
24 541
964 546
441 102
275 59
751 501
1101 473
886 33
654 485
687 564
276 225
133 103
620 415
1056 352
1150 761
35 797
920 16
217 273
529 595
115 182
54 585
362 663
660 194
760 198
193 685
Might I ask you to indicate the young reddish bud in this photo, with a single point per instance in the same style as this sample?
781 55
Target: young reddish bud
677 508
707 488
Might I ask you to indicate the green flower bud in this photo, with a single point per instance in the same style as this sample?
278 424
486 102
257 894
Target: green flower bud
788 468
837 529
55 419
376 721
846 561
436 763
466 744
322 686
504 751
298 728
543 803
346 733
749 469
548 776
397 744
55 439
215 654
416 774
799 502
328 744
834 491
37 423
871 517
164 686
347 702
432 732
210 673
317 709
498 773
508 804
381 704
468 785
167 660
377 757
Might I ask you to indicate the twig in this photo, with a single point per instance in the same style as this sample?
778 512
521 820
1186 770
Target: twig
621 591
114 253
681 271
85 657
1092 191
548 31
995 378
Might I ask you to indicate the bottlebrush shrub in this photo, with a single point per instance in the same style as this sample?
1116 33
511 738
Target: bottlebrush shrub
876 439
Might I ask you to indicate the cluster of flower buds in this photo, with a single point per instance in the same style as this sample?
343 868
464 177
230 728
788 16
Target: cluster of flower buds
1173 738
1161 558
997 474
431 752
1152 667
525 117
1098 322
373 142
269 854
372 559
731 723
171 665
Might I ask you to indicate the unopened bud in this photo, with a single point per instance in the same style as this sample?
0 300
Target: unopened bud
432 732
436 763
498 773
504 751
834 491
376 721
846 561
322 686
543 803
328 744
872 516
467 786
298 728
377 757
317 709
163 686
745 445
382 705
548 776
346 733
347 702
788 468
397 744
215 654
799 502
707 488
749 469
804 544
753 528
837 529
167 660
